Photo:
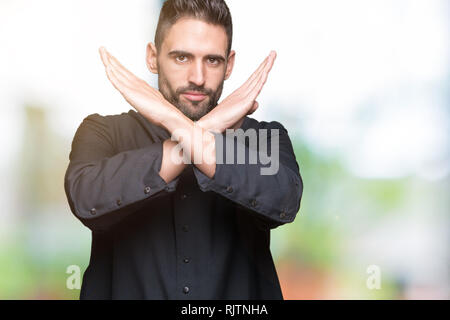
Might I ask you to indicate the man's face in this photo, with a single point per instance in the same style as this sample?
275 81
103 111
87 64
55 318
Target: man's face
192 65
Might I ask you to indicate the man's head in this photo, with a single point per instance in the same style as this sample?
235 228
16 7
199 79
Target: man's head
192 54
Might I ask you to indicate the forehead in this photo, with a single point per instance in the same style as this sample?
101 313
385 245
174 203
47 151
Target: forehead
195 36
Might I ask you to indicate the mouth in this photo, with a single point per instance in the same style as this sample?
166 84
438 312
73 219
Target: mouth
194 96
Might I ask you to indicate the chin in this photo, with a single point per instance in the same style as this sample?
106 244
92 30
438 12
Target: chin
194 112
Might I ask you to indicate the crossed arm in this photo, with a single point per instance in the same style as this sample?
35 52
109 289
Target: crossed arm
198 137
100 197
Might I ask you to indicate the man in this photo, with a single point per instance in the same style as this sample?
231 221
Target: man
169 229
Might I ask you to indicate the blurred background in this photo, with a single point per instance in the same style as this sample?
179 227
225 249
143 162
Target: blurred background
363 88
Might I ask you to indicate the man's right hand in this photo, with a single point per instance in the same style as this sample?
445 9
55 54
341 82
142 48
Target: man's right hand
230 113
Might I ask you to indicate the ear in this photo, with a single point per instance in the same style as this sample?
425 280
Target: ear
152 58
230 64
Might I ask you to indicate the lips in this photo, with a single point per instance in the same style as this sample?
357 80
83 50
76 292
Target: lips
194 96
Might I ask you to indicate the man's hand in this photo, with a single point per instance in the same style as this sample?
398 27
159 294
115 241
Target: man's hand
148 101
154 107
230 113
144 98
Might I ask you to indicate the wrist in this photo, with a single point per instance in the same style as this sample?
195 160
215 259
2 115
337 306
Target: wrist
172 120
204 123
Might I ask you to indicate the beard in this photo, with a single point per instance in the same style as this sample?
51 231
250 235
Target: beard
194 110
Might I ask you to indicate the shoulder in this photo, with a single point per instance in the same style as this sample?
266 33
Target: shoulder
251 123
126 130
111 128
115 124
110 121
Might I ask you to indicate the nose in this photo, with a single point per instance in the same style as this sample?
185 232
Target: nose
196 74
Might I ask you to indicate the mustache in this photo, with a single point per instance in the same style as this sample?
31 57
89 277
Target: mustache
194 88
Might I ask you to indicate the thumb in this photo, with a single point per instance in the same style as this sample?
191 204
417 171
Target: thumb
254 108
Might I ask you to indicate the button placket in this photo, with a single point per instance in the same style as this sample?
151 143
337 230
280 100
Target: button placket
184 220
184 242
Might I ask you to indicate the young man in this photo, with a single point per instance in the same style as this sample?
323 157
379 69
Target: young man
169 229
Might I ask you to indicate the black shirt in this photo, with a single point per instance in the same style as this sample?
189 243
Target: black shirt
194 238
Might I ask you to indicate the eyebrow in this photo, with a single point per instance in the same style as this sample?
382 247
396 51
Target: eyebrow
190 55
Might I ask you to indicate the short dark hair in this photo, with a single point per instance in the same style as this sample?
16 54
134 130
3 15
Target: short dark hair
211 11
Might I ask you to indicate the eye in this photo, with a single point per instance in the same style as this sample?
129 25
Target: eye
181 58
213 61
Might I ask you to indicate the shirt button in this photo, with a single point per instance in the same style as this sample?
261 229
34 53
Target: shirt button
283 215
119 202
186 290
93 211
229 189
186 260
184 196
185 228
254 203
147 190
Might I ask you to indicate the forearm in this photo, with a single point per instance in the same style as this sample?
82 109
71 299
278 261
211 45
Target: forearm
270 187
170 169
172 166
197 144
222 118
103 186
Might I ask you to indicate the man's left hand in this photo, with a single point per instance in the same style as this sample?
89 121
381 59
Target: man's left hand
145 99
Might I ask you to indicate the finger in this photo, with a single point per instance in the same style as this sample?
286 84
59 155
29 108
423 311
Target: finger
103 56
263 66
258 70
254 108
112 76
119 67
109 60
258 77
258 85
255 74
269 66
273 56
118 71
120 76
260 73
